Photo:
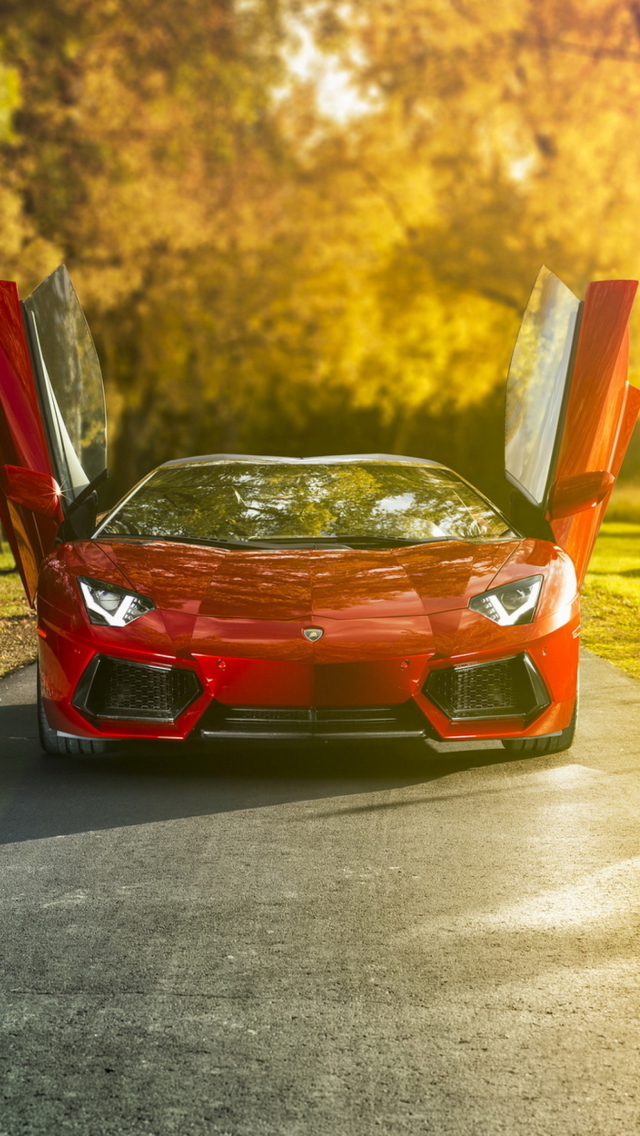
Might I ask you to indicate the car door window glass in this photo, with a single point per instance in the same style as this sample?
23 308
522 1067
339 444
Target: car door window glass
69 381
536 385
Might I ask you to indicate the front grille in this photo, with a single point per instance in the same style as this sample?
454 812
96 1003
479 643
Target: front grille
112 688
249 715
506 688
305 722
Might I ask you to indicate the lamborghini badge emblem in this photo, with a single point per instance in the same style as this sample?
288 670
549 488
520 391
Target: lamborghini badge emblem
312 633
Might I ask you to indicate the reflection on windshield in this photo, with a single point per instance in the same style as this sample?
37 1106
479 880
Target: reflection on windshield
536 383
352 501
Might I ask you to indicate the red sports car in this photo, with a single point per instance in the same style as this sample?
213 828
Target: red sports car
359 596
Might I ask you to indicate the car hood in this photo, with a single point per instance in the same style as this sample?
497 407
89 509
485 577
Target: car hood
293 584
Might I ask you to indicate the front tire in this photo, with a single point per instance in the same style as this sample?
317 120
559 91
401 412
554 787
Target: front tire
540 747
56 745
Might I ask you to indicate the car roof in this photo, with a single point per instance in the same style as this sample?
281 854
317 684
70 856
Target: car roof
321 460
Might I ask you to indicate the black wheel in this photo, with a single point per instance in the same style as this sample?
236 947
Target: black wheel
56 745
539 747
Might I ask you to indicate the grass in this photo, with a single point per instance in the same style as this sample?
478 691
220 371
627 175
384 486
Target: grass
611 596
12 597
610 608
17 621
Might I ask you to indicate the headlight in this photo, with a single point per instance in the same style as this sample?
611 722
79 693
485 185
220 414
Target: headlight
513 603
110 605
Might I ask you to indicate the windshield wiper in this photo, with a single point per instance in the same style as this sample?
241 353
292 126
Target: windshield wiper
211 542
358 539
275 542
351 540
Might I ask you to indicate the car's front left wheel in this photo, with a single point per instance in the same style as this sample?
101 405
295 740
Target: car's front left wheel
57 745
540 747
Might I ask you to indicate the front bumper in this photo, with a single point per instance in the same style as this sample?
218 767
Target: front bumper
231 696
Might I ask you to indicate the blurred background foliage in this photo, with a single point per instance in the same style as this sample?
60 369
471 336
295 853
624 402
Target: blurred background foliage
301 226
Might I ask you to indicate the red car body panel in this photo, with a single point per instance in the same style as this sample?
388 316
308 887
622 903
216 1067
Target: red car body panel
389 618
602 409
300 584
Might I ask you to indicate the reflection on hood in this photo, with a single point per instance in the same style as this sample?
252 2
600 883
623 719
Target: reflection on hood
294 584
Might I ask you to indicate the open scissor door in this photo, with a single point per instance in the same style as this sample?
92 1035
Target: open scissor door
570 410
52 418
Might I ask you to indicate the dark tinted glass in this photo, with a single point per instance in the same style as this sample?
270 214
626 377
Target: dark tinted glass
70 382
253 501
536 383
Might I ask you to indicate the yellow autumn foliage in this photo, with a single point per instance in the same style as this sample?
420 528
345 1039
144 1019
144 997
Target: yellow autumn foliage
264 274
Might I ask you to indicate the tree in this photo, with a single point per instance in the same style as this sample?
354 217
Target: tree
263 276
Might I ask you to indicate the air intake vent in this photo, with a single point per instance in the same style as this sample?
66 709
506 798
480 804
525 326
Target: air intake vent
506 688
111 688
221 721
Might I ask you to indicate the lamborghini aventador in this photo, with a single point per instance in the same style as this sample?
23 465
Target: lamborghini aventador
357 596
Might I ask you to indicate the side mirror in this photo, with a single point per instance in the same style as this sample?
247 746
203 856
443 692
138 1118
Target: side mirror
33 490
575 494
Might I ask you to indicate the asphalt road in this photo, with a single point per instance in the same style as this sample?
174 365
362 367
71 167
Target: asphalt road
310 943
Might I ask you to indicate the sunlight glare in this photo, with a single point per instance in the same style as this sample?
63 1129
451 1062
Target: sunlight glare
336 96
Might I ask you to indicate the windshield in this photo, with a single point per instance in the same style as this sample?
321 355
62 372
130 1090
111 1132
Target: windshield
352 502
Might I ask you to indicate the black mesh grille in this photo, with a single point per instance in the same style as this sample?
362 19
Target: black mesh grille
502 689
282 721
133 691
246 714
